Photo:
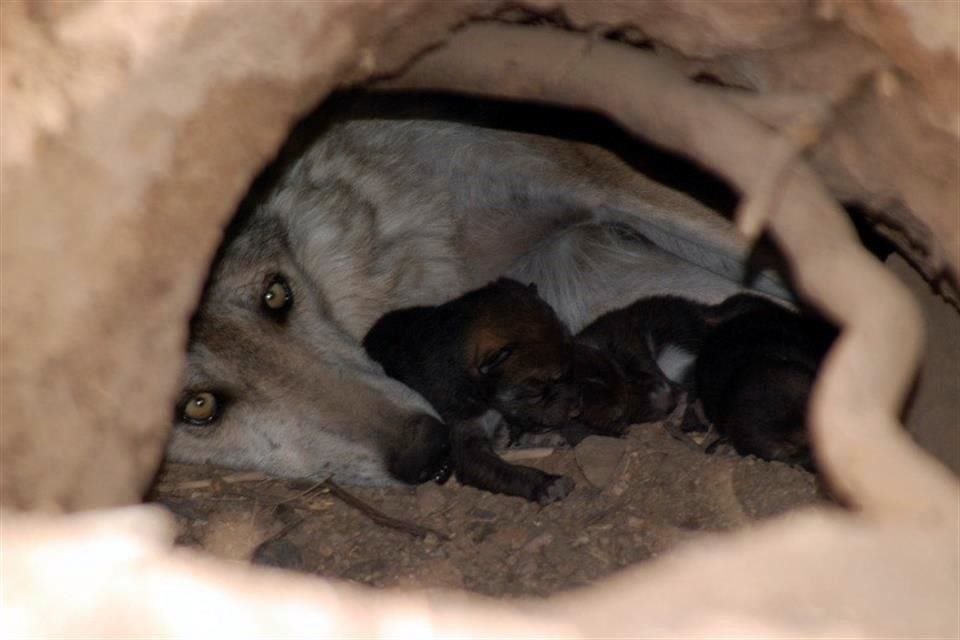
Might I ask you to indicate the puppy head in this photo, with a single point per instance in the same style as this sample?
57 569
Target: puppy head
612 400
519 348
606 398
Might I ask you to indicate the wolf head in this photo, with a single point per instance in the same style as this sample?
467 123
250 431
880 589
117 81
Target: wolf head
276 378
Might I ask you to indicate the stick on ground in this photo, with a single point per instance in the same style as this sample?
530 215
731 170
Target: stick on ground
378 516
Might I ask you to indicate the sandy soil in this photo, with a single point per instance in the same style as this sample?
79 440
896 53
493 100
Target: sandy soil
636 498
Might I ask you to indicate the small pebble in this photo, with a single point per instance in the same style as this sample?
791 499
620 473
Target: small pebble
538 543
431 498
482 514
514 537
600 459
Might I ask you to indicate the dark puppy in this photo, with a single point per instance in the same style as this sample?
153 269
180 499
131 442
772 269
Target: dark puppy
754 375
617 377
498 348
750 362
653 344
657 339
612 400
608 402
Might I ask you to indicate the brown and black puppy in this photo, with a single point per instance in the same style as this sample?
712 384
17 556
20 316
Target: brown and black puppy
498 348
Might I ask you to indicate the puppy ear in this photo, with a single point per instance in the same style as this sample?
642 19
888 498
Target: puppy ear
533 287
494 360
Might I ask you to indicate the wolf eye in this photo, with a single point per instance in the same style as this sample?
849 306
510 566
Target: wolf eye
200 409
278 297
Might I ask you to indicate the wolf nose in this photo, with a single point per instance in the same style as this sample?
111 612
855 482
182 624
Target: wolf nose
423 453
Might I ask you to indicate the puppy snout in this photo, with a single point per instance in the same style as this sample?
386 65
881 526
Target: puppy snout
423 453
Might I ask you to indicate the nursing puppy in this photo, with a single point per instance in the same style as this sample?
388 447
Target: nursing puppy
750 362
611 399
754 375
656 337
498 348
609 402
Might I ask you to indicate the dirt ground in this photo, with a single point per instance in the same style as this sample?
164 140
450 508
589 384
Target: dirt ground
636 497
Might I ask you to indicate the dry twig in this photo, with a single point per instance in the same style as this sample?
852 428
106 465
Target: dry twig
378 516
326 486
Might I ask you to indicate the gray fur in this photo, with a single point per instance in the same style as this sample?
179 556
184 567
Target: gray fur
383 214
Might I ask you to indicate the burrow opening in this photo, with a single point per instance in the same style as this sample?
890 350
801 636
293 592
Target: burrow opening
637 497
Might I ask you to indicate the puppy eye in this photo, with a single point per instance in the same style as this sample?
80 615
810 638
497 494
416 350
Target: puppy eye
278 297
200 409
537 394
495 360
535 400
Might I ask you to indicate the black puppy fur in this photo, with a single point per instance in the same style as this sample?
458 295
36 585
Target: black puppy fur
497 348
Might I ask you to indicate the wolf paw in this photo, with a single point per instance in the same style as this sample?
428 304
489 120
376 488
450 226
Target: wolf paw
554 488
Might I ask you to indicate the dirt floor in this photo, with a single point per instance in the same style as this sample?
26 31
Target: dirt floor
636 497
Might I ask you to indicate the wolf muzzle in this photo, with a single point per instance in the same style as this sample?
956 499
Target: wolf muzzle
424 453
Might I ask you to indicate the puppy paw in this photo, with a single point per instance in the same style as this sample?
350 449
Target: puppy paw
554 488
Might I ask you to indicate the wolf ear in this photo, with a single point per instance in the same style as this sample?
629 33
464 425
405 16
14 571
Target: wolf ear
494 360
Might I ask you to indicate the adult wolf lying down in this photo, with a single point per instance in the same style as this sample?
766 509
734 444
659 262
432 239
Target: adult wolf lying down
376 213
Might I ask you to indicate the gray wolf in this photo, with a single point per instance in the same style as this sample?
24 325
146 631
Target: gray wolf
499 347
367 212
